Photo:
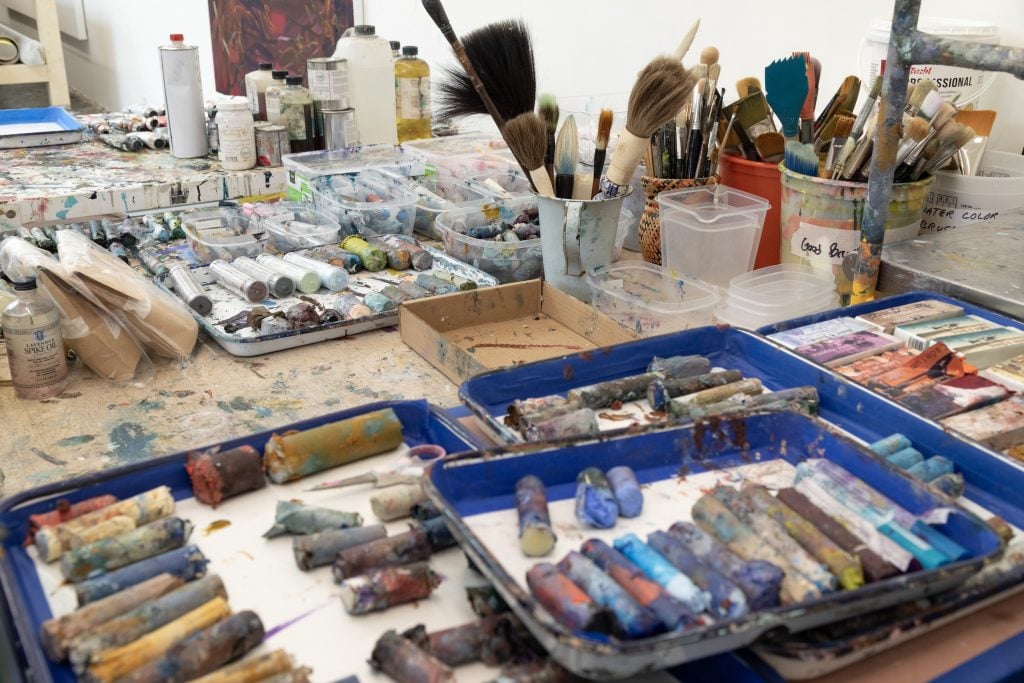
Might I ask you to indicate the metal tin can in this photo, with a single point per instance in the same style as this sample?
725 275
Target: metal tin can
328 81
183 96
339 128
271 143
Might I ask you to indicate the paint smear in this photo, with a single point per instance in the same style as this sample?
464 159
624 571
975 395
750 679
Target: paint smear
270 633
130 441
216 525
77 440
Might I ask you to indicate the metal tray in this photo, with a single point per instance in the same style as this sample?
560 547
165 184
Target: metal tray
38 127
469 485
28 599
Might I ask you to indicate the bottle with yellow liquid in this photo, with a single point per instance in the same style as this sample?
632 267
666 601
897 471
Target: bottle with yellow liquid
412 95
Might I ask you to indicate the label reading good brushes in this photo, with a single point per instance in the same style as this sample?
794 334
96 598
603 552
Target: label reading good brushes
822 245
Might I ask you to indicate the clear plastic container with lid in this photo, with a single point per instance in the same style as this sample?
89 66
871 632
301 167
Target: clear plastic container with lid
222 232
367 203
436 195
371 78
237 151
291 226
506 261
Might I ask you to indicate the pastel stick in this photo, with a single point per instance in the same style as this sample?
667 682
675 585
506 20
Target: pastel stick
655 566
627 490
633 620
727 600
566 601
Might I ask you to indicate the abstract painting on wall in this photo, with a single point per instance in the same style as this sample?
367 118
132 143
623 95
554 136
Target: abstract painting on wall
283 32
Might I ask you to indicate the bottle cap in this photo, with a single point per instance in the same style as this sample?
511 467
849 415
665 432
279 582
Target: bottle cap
395 44
293 80
279 74
365 30
24 285
266 66
177 38
410 51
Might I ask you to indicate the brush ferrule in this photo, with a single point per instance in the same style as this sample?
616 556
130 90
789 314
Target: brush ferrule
627 155
915 152
862 119
696 109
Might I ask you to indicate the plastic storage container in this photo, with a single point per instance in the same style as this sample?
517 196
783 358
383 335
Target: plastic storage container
650 301
436 196
710 232
460 156
303 169
501 183
367 203
292 226
956 200
776 293
506 261
222 233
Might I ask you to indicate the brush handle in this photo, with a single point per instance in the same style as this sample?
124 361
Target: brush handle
599 155
627 155
549 157
696 142
564 185
542 182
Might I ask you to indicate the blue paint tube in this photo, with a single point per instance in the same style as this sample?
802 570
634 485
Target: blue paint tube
932 468
906 458
186 563
675 583
890 444
633 619
727 600
946 545
627 490
595 502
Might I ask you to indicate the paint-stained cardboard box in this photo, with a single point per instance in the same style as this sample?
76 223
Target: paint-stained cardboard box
466 333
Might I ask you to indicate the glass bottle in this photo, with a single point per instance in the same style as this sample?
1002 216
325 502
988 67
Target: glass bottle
297 115
412 95
272 97
256 83
396 49
35 347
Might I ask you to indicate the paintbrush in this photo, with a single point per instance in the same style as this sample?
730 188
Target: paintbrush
913 133
713 170
851 165
800 158
970 154
567 156
771 147
604 131
807 110
917 96
935 138
547 110
709 134
946 151
787 85
939 117
754 115
686 42
747 86
742 141
866 108
695 139
840 102
660 91
708 60
827 139
527 137
843 126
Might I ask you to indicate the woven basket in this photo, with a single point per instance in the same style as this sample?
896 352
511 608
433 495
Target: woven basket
650 226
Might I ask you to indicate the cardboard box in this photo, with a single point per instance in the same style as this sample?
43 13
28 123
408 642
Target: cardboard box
466 333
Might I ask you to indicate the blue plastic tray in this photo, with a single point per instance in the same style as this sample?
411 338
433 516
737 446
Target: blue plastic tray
38 127
421 423
475 483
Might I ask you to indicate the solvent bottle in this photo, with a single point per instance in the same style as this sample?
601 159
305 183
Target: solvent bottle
412 95
35 347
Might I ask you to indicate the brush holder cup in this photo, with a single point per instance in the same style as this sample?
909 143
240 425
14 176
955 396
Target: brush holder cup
577 236
765 180
649 229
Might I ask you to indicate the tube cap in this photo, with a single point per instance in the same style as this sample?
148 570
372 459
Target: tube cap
366 30
177 38
24 285
395 44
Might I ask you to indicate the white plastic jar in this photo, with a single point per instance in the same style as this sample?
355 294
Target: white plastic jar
237 135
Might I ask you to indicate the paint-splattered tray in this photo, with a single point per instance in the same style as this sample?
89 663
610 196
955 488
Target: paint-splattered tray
249 342
258 574
38 128
476 492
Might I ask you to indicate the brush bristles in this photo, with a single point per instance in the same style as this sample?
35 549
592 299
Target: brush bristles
917 128
921 91
947 133
752 109
945 114
604 128
686 42
567 148
440 17
547 110
528 139
661 90
930 105
964 136
876 88
981 120
844 125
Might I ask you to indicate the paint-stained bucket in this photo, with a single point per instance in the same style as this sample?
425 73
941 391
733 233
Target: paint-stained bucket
821 222
576 237
764 180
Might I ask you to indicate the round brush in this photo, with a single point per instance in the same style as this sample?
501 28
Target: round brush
918 94
527 137
604 131
661 90
567 156
547 110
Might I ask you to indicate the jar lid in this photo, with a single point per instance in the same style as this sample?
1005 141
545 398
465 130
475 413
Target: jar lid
177 38
24 285
233 104
266 66
365 30
293 80
410 51
395 44
279 74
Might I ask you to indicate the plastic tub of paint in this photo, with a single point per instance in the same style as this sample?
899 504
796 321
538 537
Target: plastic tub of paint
506 261
957 200
647 299
292 226
437 195
367 203
222 232
710 232
502 183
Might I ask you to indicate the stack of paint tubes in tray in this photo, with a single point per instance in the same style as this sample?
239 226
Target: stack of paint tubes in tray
746 549
148 609
675 388
132 130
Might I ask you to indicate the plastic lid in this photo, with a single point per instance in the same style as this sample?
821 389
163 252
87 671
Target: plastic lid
177 38
395 44
24 285
365 30
266 66
279 74
233 104
293 80
977 31
410 51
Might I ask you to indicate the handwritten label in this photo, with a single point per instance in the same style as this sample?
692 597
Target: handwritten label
829 246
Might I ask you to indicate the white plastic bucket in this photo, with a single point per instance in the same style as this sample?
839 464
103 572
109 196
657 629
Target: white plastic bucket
955 200
968 84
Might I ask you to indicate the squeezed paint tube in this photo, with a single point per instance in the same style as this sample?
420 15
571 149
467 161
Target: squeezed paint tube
57 634
280 286
675 583
387 587
627 490
462 283
484 232
378 303
905 458
927 554
680 366
932 468
373 259
118 251
151 139
143 508
578 423
492 640
434 285
438 533
536 538
144 619
673 613
298 454
595 502
530 420
632 619
950 484
716 519
396 502
874 567
322 548
350 307
844 566
121 663
219 475
395 294
332 277
336 256
297 518
115 526
797 399
727 600
947 546
127 548
890 445
400 659
528 406
405 548
152 262
235 281
125 143
774 533
186 563
604 394
256 668
661 390
65 511
418 257
188 289
758 579
413 290
205 651
566 601
306 281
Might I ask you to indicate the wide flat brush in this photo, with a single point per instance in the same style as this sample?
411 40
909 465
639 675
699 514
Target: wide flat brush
786 83
970 154
547 110
841 132
840 102
604 131
747 86
567 156
661 90
528 139
754 115
946 150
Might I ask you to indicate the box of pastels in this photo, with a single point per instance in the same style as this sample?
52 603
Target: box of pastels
641 551
108 618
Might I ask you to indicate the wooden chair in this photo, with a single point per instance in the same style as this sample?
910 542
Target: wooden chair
53 73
